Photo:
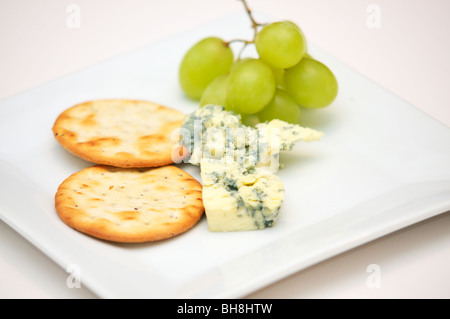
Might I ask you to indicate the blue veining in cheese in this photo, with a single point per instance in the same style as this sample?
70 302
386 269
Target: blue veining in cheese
238 164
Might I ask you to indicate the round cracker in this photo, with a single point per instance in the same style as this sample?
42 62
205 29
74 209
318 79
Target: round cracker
121 133
130 205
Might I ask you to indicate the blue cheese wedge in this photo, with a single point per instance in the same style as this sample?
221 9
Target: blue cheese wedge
238 166
236 199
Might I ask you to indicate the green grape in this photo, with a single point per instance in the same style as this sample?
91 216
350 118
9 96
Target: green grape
235 64
215 92
250 87
311 83
306 55
281 44
279 76
203 62
299 30
282 107
294 25
277 72
249 119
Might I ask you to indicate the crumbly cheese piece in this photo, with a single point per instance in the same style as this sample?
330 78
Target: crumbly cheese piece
236 199
238 164
289 134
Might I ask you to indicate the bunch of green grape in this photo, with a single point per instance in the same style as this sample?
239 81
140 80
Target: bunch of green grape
276 84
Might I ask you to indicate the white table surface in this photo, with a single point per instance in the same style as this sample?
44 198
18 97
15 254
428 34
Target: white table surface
406 53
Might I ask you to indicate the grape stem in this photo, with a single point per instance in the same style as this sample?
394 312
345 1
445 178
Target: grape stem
255 26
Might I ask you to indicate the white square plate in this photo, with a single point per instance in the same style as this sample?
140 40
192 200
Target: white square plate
381 166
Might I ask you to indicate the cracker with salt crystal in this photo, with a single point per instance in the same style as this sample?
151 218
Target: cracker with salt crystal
121 133
130 205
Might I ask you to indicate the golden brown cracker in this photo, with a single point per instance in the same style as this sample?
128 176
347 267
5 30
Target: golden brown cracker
121 133
130 205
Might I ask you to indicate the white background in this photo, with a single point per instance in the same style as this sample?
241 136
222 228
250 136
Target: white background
407 54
